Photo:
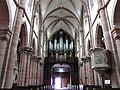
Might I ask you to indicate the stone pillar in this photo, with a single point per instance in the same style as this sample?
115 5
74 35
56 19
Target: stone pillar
91 72
42 58
82 42
116 37
104 25
35 71
4 41
84 67
32 64
31 71
12 57
38 70
80 72
88 72
39 42
41 72
24 66
96 78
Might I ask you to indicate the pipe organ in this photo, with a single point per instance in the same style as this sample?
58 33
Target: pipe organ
61 51
61 46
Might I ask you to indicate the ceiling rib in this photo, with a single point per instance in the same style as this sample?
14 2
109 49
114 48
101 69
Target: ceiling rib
61 14
62 9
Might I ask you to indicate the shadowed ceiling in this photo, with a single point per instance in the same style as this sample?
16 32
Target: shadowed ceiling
61 14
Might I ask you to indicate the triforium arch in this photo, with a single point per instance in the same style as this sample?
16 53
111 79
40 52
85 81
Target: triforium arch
99 37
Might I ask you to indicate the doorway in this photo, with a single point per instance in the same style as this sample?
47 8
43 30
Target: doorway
60 76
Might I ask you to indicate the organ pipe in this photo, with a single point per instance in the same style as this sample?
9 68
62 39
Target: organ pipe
55 44
66 44
61 43
50 45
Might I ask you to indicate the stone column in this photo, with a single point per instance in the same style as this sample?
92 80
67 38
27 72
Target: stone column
28 66
32 75
104 25
116 37
96 80
39 42
38 70
31 69
42 72
4 41
89 71
24 66
82 42
84 67
42 58
12 57
35 71
80 72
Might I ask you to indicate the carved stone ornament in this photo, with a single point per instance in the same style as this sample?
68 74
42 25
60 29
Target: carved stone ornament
99 59
25 50
36 58
5 34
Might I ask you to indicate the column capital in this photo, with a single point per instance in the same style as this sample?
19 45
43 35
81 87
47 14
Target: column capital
24 49
85 59
80 64
5 33
36 58
116 33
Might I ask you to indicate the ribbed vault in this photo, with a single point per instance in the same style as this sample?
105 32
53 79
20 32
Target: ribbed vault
61 14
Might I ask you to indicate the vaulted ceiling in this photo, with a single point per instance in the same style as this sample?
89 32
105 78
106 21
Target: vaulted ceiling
61 14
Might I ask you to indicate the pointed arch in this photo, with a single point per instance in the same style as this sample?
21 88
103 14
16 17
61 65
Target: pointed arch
23 36
99 38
